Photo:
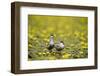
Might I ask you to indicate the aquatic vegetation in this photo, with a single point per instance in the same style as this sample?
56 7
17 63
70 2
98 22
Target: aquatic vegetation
73 31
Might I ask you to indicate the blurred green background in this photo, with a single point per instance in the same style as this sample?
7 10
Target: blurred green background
73 31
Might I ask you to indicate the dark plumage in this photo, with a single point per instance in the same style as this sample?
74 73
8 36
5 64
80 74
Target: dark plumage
50 47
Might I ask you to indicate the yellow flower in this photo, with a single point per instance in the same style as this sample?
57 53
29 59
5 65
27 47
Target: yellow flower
76 33
82 43
81 52
66 55
34 38
44 53
84 46
30 36
47 52
83 38
40 53
82 34
30 45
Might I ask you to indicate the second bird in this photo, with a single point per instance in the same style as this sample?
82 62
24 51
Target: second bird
59 46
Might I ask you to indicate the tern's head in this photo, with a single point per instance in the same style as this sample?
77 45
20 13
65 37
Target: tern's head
61 42
51 35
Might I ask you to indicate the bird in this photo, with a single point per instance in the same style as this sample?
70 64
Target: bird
51 43
59 46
